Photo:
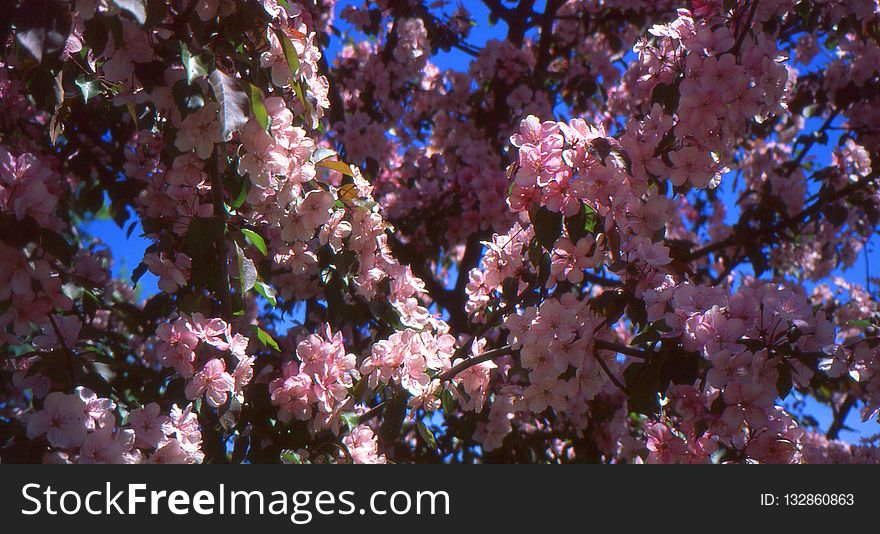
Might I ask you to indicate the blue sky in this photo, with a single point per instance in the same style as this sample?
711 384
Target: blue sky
128 251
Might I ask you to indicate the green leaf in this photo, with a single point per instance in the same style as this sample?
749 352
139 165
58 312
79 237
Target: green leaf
247 271
258 107
350 419
758 259
195 66
861 323
137 9
242 194
255 239
447 402
267 291
248 274
427 435
293 65
812 110
831 42
56 125
666 94
289 53
132 112
291 456
88 88
510 288
241 447
646 335
157 10
234 102
581 224
266 339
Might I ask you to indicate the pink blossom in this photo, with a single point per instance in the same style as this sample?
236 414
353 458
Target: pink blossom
62 420
173 274
213 381
361 443
148 425
200 131
106 446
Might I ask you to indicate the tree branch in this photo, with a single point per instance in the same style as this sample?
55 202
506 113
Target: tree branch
615 347
739 237
450 373
220 211
840 417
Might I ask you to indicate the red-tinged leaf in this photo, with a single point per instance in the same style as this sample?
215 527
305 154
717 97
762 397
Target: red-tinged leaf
234 102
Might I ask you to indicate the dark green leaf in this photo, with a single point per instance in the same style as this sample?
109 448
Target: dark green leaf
138 272
758 259
784 383
836 214
548 226
232 412
642 384
55 244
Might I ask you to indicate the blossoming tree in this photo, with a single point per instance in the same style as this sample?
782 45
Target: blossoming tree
605 239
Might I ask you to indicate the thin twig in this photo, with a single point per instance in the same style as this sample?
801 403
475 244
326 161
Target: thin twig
220 211
475 360
629 351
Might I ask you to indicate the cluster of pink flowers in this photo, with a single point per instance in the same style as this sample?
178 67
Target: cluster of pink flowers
362 445
751 428
294 28
818 449
29 193
503 259
314 386
557 348
412 359
750 336
82 428
599 313
196 347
